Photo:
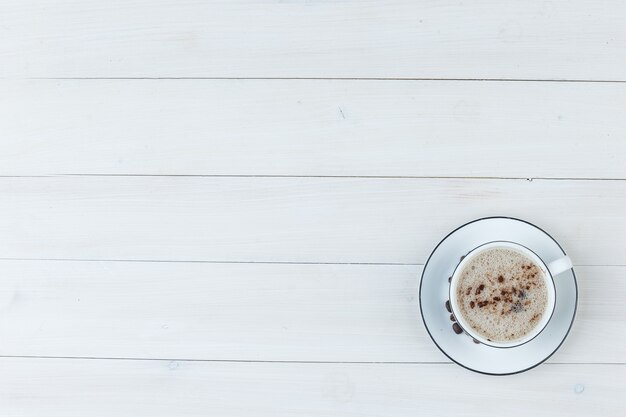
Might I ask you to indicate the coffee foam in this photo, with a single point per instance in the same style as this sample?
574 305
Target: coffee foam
502 294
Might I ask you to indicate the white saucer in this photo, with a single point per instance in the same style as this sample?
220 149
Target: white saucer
433 294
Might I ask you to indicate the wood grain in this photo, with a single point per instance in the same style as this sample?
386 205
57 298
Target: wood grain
343 220
268 312
481 39
176 246
103 388
312 127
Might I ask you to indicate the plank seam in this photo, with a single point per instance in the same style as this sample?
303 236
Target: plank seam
273 361
532 80
198 261
390 177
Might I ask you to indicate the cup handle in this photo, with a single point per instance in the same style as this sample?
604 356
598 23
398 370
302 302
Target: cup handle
560 265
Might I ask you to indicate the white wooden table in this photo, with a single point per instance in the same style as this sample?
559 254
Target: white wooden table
222 208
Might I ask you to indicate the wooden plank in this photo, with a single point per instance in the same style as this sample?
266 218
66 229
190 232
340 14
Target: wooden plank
94 388
293 219
304 127
344 313
167 38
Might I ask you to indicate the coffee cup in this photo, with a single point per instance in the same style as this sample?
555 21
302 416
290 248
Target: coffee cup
503 295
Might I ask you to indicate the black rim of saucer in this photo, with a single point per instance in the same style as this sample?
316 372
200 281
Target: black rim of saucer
476 370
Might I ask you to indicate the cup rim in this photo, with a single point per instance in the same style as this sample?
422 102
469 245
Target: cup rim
459 317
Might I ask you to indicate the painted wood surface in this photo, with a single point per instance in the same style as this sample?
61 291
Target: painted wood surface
223 207
313 127
534 39
60 387
340 220
268 312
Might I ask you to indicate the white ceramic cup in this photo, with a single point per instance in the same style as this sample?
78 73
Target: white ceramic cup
550 270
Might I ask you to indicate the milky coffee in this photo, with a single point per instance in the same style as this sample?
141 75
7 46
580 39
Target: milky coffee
502 294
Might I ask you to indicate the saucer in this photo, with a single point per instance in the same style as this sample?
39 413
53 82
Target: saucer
460 348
